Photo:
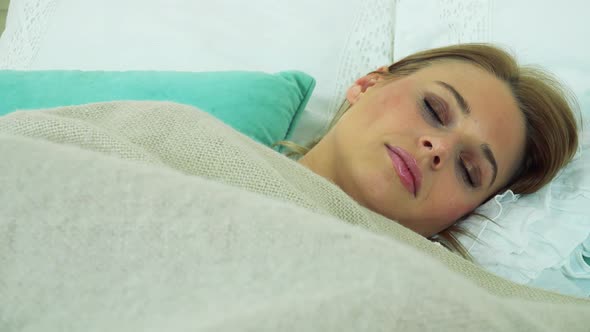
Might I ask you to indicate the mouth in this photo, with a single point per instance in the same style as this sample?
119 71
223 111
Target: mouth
406 168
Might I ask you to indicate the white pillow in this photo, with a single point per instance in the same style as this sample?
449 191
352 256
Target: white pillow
536 235
542 233
335 41
534 232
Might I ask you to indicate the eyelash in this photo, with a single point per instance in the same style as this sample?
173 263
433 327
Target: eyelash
435 115
466 175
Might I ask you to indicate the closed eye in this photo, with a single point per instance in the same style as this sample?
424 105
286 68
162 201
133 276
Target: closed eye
466 176
431 111
470 172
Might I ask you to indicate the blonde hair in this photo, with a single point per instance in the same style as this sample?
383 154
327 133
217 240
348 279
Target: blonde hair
548 108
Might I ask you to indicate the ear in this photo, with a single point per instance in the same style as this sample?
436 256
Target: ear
361 85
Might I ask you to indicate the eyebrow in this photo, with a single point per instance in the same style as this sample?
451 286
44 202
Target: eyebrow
460 100
489 155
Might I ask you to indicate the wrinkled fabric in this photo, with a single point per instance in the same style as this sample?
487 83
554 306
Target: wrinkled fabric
156 216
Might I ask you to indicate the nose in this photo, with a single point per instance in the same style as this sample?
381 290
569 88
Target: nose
439 149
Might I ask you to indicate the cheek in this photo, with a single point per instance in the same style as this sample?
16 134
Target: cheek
394 99
396 114
450 210
455 211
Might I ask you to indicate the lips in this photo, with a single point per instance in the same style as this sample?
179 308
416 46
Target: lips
406 168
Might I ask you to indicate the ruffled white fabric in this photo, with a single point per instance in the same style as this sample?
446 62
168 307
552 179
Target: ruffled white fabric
572 278
537 232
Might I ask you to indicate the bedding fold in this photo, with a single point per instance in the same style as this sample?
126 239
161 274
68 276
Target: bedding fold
156 216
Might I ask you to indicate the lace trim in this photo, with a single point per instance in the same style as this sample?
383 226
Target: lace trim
428 24
369 45
27 21
467 21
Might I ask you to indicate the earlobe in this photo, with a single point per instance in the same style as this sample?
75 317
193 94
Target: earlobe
360 86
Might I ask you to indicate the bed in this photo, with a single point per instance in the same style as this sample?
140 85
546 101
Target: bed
115 222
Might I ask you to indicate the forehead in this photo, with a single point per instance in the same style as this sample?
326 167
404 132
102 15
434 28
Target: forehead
495 118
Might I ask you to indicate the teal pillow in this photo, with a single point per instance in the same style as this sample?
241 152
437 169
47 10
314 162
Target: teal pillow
262 106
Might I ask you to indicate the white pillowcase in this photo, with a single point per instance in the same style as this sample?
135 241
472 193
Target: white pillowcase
535 234
335 41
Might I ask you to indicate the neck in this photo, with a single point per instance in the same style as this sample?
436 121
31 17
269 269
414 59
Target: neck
319 161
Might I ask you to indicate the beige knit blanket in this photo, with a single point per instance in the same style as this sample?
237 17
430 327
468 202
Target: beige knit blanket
149 216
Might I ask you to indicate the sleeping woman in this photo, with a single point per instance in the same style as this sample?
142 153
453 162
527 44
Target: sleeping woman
173 218
423 142
428 139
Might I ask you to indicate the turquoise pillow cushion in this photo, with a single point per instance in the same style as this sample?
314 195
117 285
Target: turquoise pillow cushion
262 106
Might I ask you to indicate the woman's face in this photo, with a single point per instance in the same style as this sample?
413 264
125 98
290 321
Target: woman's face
424 149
